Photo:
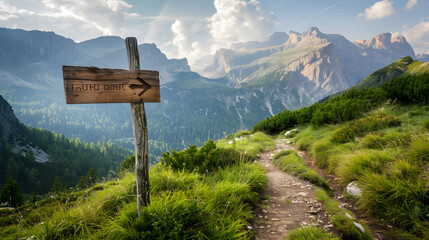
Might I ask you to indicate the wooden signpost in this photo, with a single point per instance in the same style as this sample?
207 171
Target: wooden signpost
98 85
101 85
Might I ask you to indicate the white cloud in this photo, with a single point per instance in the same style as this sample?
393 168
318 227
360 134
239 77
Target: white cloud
378 10
182 40
411 4
418 36
76 19
233 21
238 21
8 12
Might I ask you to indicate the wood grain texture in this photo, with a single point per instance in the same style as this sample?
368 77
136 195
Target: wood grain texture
138 119
101 85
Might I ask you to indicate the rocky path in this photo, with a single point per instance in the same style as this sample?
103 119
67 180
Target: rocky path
291 202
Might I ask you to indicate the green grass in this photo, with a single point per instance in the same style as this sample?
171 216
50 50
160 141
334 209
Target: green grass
289 161
362 163
184 204
390 164
249 144
343 223
309 233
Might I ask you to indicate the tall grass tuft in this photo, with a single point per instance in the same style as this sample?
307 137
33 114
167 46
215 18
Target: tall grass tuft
364 162
419 149
400 202
289 161
310 233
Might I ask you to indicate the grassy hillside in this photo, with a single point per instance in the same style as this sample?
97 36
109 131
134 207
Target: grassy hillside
352 104
378 137
198 193
387 153
403 67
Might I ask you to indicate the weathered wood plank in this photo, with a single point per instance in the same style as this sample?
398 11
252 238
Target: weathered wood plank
138 119
99 85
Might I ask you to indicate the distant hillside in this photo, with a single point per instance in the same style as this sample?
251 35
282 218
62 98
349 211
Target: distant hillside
402 67
353 103
35 156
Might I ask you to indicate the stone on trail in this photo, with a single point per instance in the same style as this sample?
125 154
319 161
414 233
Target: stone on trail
358 225
354 190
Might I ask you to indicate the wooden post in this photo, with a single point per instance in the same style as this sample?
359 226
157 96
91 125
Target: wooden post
138 119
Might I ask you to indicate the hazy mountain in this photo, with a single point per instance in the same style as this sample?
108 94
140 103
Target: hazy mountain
34 59
423 57
101 45
276 38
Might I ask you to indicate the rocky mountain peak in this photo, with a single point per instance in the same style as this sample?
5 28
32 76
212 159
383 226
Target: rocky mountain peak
294 37
313 31
381 41
386 44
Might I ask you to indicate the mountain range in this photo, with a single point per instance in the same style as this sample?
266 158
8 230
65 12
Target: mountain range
243 84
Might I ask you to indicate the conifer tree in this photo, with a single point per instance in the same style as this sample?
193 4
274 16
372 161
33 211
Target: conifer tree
58 186
10 193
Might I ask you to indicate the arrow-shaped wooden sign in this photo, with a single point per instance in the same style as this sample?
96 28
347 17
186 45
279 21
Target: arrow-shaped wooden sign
105 85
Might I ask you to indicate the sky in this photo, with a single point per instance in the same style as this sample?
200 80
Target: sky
196 28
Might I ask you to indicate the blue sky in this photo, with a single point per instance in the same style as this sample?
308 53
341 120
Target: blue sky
194 28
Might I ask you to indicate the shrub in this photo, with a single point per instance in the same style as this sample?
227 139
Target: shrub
409 88
206 159
128 165
361 126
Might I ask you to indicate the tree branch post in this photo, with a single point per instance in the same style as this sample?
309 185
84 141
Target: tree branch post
138 119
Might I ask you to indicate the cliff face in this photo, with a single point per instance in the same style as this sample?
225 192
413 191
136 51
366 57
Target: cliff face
8 120
386 46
